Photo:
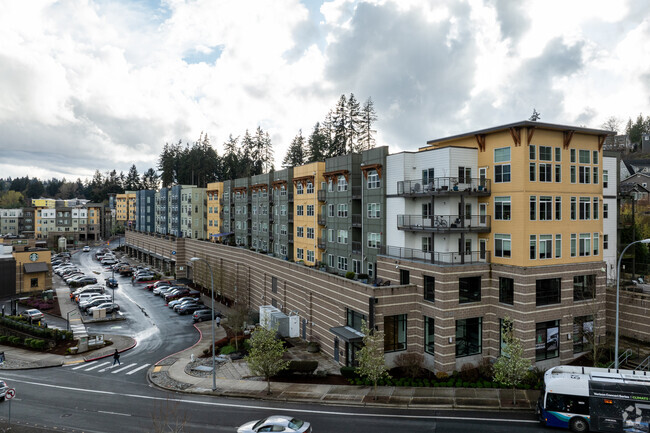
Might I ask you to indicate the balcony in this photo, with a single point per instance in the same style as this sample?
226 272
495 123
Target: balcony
290 237
443 186
356 192
356 220
322 220
444 223
322 243
356 247
436 258
321 195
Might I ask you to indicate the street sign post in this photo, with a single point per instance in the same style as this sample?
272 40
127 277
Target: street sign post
11 393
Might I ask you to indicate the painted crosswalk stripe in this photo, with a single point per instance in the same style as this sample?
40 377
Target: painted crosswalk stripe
81 366
109 368
123 368
96 366
138 369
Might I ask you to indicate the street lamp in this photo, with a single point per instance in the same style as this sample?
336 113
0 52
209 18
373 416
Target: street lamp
618 278
214 373
67 318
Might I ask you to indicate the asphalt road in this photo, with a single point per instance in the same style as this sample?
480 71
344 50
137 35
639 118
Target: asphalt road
107 398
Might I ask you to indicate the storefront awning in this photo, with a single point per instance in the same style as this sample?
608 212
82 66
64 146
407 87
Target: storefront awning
348 334
33 268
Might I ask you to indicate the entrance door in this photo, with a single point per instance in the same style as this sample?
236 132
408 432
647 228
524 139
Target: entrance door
482 175
482 249
482 211
336 349
304 329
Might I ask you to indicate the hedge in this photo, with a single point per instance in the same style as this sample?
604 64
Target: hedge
12 322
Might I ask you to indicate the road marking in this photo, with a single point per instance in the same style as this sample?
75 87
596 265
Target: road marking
123 368
82 366
137 369
74 362
114 413
96 366
418 415
157 368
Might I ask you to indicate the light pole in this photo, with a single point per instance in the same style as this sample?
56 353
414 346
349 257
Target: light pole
67 318
618 278
214 373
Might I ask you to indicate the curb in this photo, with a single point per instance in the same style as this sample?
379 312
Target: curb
110 354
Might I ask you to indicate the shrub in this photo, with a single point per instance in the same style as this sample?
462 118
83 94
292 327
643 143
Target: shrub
236 341
349 275
15 340
469 373
410 363
3 339
441 375
227 350
304 367
349 372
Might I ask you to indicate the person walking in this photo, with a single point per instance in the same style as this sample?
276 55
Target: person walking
116 357
218 321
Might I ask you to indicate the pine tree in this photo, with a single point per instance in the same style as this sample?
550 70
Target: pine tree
230 168
295 154
511 367
267 154
132 182
265 355
166 165
317 144
368 118
372 364
246 168
340 125
150 179
353 124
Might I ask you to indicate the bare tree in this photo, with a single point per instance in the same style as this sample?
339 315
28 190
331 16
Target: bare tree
613 123
167 417
512 366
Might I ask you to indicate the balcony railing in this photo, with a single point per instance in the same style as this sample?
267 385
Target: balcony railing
435 257
356 247
322 243
321 195
356 192
444 223
322 220
444 186
356 220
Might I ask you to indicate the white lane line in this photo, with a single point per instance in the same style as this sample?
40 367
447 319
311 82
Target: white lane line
97 366
138 369
84 365
114 413
419 415
123 368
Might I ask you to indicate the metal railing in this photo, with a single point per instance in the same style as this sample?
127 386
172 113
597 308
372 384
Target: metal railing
356 220
356 247
321 195
356 192
622 358
436 257
322 243
473 223
644 365
322 220
444 185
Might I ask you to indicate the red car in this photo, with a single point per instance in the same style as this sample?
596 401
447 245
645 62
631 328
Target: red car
152 286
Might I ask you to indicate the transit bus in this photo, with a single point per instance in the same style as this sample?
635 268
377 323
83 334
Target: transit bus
596 399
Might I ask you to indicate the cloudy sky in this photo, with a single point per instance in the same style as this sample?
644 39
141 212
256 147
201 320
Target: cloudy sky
101 84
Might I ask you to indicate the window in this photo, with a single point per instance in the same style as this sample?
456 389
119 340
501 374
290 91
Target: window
374 210
574 205
429 288
584 157
583 333
300 253
605 210
310 210
330 235
342 237
330 210
583 174
330 186
585 208
545 172
299 188
584 287
506 290
330 260
354 319
531 152
300 232
558 173
310 188
404 276
558 246
342 184
585 244
371 270
34 282
300 210
395 333
595 157
429 335
545 246
533 247
374 240
342 210
310 233
545 208
596 208
469 289
596 242
464 175
502 245
573 174
532 169
573 155
426 245
502 155
283 230
605 178
310 255
504 327
605 242
548 291
502 208
595 171
558 154
502 171
573 244
373 179
427 176
547 340
558 208
468 336
343 263
545 153
533 208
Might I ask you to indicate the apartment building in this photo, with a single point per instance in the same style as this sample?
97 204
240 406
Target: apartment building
194 212
306 223
29 222
11 221
215 213
145 210
161 212
242 204
611 164
281 215
261 215
228 209
125 208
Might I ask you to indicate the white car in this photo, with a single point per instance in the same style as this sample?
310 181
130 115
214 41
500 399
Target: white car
86 249
32 315
280 423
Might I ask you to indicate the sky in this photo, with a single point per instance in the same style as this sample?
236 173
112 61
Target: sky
90 85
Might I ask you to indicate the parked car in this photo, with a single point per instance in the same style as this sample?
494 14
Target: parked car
110 307
276 423
111 282
159 291
93 301
176 293
33 315
83 281
201 315
162 283
175 302
143 278
124 270
190 307
177 306
86 249
3 389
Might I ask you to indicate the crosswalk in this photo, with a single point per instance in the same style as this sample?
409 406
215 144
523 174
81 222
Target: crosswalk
108 367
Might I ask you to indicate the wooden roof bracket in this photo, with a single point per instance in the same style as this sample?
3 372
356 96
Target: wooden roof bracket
480 140
531 132
568 136
515 133
601 141
366 168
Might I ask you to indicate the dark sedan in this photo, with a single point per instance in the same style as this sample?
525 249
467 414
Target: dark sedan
190 307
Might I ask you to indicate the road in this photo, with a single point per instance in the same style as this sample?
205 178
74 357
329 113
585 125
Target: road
99 397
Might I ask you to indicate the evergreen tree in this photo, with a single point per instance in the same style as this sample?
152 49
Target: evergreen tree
368 118
35 189
267 154
150 179
353 126
372 364
245 156
636 129
511 367
132 182
340 126
230 167
166 166
52 187
295 154
317 144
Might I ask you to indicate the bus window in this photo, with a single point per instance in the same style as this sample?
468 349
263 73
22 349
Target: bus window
567 403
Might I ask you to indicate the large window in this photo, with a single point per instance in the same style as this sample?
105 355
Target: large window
394 333
545 246
374 240
502 245
545 153
343 263
547 291
342 237
469 289
300 210
468 336
427 176
404 276
429 288
585 208
429 335
501 170
547 340
545 172
545 208
342 210
310 210
584 287
373 179
300 232
584 244
374 210
310 188
502 208
583 333
506 290
342 184
354 319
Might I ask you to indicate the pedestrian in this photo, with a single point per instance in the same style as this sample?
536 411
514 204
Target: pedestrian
116 357
218 321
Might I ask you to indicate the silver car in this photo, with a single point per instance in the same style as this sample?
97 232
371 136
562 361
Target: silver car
272 423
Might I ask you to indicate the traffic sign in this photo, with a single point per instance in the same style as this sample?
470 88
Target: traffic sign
173 253
11 393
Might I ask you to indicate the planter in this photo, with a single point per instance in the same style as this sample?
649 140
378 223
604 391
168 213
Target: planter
313 348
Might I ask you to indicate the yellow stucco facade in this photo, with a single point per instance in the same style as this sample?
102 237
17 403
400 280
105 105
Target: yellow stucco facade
31 280
44 202
306 181
213 191
125 207
546 196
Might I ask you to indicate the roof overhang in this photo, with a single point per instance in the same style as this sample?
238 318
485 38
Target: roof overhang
348 334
